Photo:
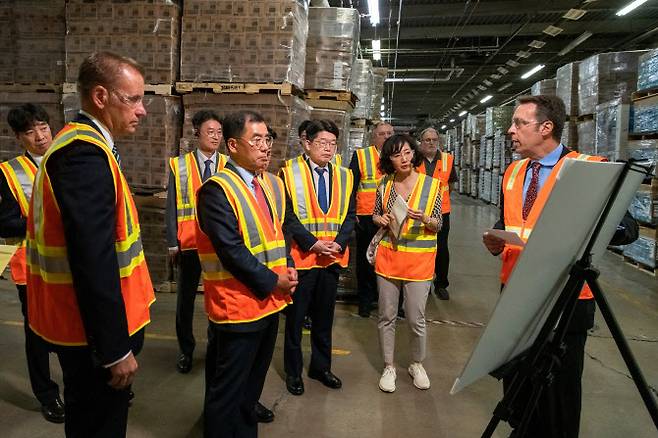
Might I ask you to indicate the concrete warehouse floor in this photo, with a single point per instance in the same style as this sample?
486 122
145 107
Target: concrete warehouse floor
169 404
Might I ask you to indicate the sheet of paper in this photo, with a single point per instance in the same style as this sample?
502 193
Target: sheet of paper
509 237
6 251
399 211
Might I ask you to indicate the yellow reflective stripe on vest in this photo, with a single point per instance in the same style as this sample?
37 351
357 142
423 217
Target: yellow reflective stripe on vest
428 192
274 195
214 270
515 171
368 169
522 232
444 162
185 202
21 171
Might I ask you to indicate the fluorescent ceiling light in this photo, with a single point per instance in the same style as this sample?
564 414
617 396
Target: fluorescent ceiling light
443 127
486 98
452 120
574 14
473 107
376 50
553 30
532 71
481 87
419 80
512 63
383 107
495 76
505 87
537 44
576 42
488 83
629 7
382 99
502 70
373 10
523 54
463 113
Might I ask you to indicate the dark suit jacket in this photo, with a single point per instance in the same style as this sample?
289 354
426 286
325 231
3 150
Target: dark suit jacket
12 221
84 188
627 231
295 230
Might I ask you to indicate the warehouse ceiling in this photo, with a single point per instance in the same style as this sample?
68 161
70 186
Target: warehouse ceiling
445 56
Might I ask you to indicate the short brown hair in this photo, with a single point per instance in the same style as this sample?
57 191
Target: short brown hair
549 108
103 68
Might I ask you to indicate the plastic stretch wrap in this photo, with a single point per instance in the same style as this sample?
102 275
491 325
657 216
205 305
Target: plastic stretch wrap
464 181
502 150
645 115
51 102
342 120
566 86
333 34
644 206
282 113
32 41
570 135
643 250
485 185
605 77
358 138
362 83
229 41
474 182
378 76
145 154
647 70
475 125
612 119
495 186
644 151
146 30
498 118
545 87
587 136
487 145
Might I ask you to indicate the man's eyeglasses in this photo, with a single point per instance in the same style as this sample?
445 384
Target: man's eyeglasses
328 145
259 142
213 134
131 101
520 123
430 140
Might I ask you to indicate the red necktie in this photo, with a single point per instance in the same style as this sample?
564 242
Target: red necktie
260 198
533 188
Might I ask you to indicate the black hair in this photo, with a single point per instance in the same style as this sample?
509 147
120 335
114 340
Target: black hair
392 146
271 132
23 118
303 126
201 117
315 127
233 124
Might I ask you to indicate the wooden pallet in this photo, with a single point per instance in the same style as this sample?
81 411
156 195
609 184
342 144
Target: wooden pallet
361 123
584 117
285 88
643 94
30 87
159 89
640 266
332 95
338 105
643 135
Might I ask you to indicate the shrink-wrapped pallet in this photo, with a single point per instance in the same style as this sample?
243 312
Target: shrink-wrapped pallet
645 115
647 70
544 87
498 118
362 84
566 86
612 119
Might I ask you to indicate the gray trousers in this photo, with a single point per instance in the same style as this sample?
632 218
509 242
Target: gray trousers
415 298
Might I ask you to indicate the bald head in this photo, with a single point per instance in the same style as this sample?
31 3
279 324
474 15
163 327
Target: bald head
429 143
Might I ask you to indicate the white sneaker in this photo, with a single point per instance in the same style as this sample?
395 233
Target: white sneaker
387 380
417 372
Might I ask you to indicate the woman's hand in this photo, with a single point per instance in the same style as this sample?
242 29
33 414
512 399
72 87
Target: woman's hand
418 215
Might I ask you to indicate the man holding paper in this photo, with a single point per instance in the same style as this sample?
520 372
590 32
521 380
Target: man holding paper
536 131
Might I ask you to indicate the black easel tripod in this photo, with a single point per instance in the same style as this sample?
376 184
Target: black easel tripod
537 369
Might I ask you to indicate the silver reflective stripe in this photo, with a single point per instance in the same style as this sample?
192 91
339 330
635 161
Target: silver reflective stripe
422 205
428 244
129 221
126 257
245 206
278 195
50 264
370 184
24 179
182 179
315 227
302 210
187 211
215 265
370 172
345 196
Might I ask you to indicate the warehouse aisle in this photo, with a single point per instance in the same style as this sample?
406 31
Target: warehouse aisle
169 404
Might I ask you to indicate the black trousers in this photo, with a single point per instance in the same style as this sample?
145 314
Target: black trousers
365 273
442 264
189 272
92 407
236 367
557 414
36 351
315 294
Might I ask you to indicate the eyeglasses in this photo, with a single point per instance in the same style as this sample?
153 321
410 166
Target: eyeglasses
131 101
328 145
259 142
213 134
520 123
430 140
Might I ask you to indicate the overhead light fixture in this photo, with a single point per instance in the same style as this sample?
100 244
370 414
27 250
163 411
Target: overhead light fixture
473 107
443 126
452 120
382 99
505 87
553 30
629 7
532 71
481 87
486 98
523 54
383 107
376 50
574 14
373 10
495 76
512 63
487 82
536 44
502 70
576 42
463 113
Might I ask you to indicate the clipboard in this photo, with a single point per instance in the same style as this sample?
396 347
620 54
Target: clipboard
6 253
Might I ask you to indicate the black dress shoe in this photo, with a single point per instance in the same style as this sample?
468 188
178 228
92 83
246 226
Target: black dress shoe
364 312
295 385
262 414
53 411
184 364
442 293
327 378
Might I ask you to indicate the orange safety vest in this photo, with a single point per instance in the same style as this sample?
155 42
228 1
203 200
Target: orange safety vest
299 184
368 159
442 172
412 256
337 160
188 180
227 299
19 173
513 205
53 310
